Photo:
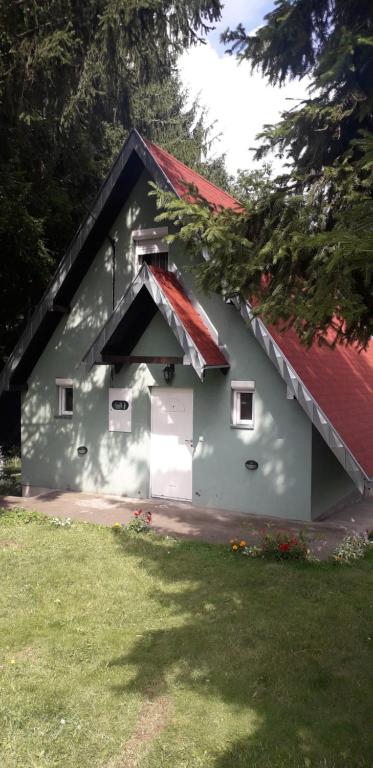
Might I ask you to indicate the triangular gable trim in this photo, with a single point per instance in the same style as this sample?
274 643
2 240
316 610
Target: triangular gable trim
191 347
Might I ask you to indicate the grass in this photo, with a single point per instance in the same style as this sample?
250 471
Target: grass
10 475
121 651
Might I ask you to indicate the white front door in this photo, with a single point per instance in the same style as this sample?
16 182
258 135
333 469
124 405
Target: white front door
171 443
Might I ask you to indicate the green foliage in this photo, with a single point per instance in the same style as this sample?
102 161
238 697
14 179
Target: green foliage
303 252
11 516
280 545
140 523
284 545
10 474
74 78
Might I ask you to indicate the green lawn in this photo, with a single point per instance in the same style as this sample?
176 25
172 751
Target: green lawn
142 652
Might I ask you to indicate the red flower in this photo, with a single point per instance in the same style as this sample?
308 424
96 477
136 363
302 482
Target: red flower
149 518
284 546
138 512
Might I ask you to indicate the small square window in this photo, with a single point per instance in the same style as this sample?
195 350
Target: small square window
243 404
151 247
65 397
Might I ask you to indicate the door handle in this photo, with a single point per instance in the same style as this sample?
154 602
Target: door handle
190 443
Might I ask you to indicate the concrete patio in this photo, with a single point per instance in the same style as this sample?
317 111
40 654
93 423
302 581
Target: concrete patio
180 519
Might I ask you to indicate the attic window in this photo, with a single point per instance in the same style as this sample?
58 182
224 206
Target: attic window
242 415
150 247
65 393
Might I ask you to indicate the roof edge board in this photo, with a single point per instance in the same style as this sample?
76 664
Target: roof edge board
152 165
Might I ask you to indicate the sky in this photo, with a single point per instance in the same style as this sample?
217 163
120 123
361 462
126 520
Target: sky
240 102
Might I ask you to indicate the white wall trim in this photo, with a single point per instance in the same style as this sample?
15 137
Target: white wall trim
243 386
64 383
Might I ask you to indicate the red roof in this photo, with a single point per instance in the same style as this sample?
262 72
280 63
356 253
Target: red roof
341 382
189 318
181 177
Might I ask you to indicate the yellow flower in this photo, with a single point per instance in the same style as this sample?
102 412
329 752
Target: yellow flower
234 546
242 543
116 527
232 541
12 661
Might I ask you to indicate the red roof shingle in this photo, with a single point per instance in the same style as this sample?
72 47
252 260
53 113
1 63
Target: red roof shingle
181 177
189 318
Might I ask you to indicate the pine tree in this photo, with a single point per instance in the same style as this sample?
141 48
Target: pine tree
309 232
75 76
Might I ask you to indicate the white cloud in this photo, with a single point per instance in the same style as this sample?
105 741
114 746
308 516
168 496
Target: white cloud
239 101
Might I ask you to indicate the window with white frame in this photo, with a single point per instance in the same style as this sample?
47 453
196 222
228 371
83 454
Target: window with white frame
150 247
243 393
65 394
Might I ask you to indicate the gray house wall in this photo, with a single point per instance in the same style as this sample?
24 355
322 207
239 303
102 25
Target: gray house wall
117 462
331 485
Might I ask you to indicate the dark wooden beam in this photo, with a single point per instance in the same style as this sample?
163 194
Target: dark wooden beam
17 388
61 309
58 309
129 359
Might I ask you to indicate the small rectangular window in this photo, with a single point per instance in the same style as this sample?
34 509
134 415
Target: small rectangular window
65 397
151 247
243 404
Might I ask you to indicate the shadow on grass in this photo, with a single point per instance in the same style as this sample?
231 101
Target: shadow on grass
286 644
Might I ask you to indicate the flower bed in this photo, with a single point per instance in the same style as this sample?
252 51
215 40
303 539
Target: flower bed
140 523
277 545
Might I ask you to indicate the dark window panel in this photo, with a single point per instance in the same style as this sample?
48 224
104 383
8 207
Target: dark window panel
246 406
69 399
